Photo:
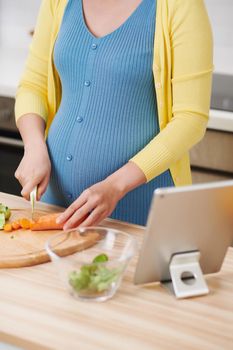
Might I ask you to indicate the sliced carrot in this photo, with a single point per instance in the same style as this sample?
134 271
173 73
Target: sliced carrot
31 224
7 228
46 222
24 223
15 225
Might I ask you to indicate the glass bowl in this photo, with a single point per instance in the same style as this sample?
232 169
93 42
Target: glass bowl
91 260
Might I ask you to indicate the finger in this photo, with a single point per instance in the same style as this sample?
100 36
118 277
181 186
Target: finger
78 216
93 219
18 171
42 187
82 199
21 180
28 188
17 174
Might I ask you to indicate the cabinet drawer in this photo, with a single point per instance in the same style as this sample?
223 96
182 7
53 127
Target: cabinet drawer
7 119
199 176
215 151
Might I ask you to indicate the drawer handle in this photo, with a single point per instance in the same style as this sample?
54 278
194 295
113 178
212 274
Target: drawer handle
7 141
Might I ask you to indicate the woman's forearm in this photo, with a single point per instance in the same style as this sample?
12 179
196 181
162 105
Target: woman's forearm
32 130
127 178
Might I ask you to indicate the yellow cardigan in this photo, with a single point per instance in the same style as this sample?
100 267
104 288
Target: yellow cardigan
182 69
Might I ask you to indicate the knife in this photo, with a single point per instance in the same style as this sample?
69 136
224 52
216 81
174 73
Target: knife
33 197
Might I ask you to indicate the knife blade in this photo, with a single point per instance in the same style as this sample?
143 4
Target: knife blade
33 198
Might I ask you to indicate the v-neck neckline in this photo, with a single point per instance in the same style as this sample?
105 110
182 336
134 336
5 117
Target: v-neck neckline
115 30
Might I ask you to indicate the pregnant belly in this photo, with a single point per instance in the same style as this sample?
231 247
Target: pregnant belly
86 151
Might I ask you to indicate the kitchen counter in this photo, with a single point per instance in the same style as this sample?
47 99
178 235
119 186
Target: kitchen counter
220 120
38 313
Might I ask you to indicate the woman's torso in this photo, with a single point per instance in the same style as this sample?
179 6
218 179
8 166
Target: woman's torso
108 110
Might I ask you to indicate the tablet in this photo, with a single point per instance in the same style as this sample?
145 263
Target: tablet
186 219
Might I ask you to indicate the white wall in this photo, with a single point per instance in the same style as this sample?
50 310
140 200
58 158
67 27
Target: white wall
221 16
17 18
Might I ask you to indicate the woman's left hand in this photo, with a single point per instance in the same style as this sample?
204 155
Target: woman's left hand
92 206
98 201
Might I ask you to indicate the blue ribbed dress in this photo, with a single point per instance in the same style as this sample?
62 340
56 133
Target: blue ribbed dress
108 110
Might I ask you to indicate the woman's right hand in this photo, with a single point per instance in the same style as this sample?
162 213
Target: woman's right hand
35 167
34 170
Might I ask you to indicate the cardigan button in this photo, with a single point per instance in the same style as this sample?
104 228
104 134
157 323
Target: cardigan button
69 157
157 69
87 83
158 85
79 119
94 46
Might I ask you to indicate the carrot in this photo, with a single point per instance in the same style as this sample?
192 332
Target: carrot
15 225
7 228
24 223
46 222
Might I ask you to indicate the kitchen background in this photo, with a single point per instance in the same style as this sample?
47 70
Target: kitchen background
211 159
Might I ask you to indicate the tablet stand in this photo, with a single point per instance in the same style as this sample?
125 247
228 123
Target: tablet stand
186 275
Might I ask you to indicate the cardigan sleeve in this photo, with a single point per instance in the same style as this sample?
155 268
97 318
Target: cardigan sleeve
31 95
191 77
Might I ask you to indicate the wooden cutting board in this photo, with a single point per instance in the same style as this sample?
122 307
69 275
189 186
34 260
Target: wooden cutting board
23 248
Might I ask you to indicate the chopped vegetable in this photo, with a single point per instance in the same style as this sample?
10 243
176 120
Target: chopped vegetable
25 223
94 278
7 228
7 213
15 225
100 258
79 280
2 220
46 222
5 210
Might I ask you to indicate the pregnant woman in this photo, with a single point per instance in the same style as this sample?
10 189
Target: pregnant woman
113 96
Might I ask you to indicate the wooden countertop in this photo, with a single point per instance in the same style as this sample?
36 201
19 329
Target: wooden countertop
36 312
